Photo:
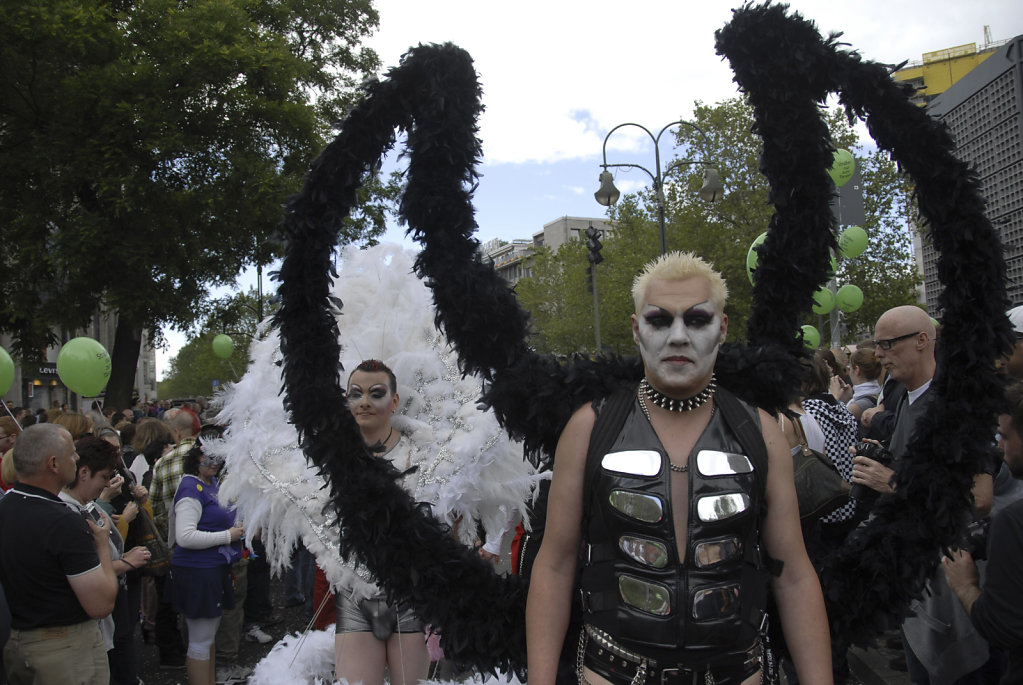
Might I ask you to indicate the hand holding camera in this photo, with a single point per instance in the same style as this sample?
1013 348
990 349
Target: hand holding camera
97 521
871 473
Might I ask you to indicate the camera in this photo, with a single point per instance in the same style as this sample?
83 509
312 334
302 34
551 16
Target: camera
92 511
863 495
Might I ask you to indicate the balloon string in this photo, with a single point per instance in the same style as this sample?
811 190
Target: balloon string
8 410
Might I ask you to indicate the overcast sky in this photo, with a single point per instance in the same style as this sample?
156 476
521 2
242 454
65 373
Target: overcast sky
558 75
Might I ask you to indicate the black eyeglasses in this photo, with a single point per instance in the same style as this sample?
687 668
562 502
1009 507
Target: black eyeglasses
887 343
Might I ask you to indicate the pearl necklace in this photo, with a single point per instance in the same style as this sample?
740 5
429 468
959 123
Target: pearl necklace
671 404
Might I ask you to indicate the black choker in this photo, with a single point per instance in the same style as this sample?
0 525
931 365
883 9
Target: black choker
671 404
380 447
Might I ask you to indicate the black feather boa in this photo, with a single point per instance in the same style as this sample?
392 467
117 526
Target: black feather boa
870 581
433 95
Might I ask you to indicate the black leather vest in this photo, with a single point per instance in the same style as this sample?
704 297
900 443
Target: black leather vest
632 584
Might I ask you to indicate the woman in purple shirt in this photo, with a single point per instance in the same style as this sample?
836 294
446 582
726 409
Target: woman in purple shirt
205 541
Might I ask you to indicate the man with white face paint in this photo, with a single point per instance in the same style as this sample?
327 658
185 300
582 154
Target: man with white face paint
681 523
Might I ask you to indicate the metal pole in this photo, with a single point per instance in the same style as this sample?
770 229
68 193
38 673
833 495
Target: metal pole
259 291
596 307
659 190
836 338
664 234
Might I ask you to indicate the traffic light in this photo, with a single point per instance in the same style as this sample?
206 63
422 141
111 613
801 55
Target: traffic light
594 245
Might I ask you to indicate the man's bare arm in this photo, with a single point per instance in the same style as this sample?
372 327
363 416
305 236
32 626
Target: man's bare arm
96 590
553 577
797 590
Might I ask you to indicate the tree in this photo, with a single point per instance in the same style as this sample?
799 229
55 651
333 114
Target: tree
556 322
557 294
886 272
146 149
721 232
194 368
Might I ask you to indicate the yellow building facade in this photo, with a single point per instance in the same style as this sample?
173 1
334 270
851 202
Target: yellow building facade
938 70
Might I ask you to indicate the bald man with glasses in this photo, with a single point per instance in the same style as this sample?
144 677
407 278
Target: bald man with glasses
904 344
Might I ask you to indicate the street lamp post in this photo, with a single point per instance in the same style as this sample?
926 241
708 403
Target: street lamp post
608 194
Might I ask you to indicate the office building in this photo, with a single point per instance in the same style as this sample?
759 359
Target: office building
984 113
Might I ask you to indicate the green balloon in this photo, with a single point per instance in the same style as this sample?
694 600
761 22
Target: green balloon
852 242
849 298
6 371
811 338
842 167
823 301
84 366
751 256
223 346
934 321
833 266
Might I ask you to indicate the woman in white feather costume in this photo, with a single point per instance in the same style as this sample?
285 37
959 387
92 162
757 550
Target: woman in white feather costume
468 469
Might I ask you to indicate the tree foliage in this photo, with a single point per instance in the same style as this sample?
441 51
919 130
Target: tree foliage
886 272
146 150
721 232
194 368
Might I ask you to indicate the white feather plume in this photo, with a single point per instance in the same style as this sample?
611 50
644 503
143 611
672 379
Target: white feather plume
468 467
309 660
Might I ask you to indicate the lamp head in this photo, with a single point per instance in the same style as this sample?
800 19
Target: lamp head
712 189
608 194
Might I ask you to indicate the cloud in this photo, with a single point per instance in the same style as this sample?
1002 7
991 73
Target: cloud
557 76
626 186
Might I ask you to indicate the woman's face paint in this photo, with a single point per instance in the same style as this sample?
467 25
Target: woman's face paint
370 399
211 462
678 331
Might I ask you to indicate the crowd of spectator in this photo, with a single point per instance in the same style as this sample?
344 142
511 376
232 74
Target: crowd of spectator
105 478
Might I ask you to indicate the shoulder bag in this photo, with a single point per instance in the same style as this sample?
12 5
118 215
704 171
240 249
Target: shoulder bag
820 488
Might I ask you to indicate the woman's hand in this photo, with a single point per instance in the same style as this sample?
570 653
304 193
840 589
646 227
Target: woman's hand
840 390
113 489
131 510
137 556
868 415
140 494
237 532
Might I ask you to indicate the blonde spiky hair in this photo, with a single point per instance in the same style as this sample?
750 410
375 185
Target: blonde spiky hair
676 266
